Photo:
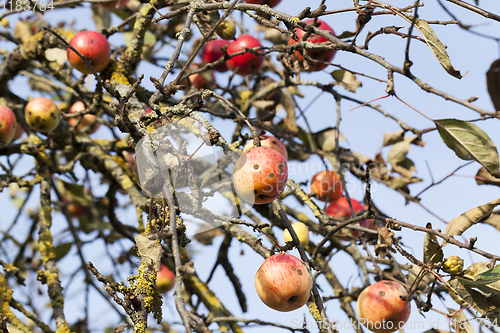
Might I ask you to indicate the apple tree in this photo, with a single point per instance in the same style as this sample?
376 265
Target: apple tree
227 166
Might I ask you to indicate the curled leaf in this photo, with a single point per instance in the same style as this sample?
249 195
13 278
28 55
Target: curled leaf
346 79
392 138
149 251
437 48
459 224
483 177
398 152
469 142
433 252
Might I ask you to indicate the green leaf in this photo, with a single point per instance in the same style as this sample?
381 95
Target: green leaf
493 83
485 305
72 192
62 250
469 142
437 48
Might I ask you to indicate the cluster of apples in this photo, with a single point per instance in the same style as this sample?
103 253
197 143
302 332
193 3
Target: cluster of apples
326 186
249 63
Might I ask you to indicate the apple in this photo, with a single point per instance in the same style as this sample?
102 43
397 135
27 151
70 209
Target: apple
322 55
129 158
88 119
260 175
247 63
212 51
165 279
202 80
341 208
283 282
381 309
94 46
8 125
269 142
302 232
226 30
42 114
19 132
114 4
76 210
270 3
326 185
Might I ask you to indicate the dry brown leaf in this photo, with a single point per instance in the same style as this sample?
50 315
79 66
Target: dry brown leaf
459 224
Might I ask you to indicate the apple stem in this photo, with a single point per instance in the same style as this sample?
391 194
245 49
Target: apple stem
274 241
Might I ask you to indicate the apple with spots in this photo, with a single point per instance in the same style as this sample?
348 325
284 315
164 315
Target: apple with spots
381 308
283 282
260 175
42 114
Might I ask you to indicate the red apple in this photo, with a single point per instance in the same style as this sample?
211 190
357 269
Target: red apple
19 131
165 279
283 282
246 63
270 3
8 125
260 175
94 46
322 55
212 51
76 210
129 158
341 208
381 309
269 142
326 185
202 80
88 119
42 114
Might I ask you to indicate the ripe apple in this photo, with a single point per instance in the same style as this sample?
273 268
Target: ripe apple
341 208
270 3
165 279
260 175
94 46
322 55
246 63
8 125
326 185
130 158
203 80
283 282
269 142
212 51
381 309
42 114
76 210
88 119
302 232
19 132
